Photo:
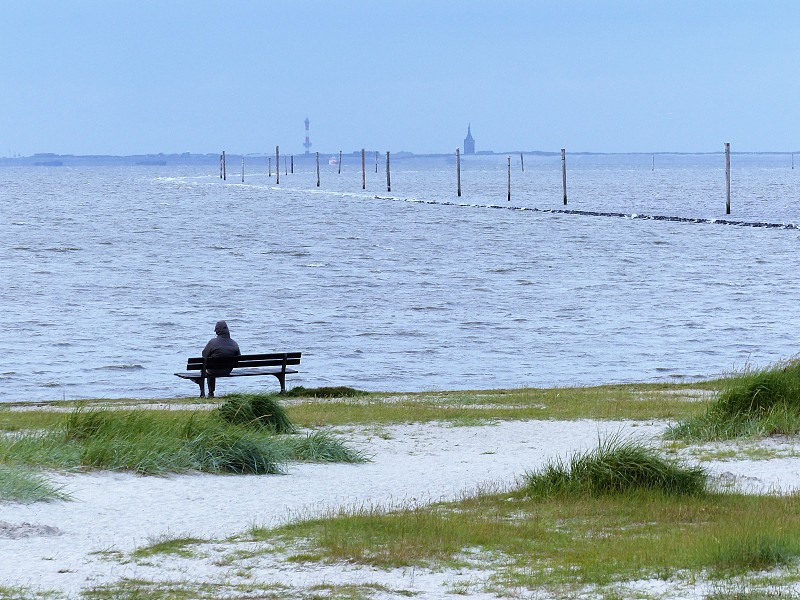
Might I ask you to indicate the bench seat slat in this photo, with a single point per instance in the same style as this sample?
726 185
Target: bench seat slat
232 363
274 355
246 372
244 361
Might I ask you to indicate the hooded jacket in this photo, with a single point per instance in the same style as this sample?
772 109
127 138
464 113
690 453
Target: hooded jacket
222 345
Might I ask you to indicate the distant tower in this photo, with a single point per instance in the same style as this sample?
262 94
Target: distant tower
307 144
469 143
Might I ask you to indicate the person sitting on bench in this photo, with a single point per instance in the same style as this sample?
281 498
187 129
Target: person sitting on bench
219 347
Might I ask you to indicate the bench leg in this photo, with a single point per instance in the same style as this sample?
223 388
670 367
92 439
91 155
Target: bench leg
201 382
282 378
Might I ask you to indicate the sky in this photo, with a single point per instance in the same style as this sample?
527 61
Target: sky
144 76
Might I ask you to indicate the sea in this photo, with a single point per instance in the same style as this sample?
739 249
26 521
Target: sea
112 276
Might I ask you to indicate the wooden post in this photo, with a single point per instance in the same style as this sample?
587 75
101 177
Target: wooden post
292 164
277 165
522 161
458 170
509 179
243 169
317 169
376 161
224 167
269 166
220 166
564 173
727 178
340 162
363 169
654 163
285 168
388 177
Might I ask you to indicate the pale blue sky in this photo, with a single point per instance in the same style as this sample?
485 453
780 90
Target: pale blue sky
139 76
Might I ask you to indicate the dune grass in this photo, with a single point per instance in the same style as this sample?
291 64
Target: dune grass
558 540
753 403
177 546
256 411
608 516
616 466
25 486
324 392
155 442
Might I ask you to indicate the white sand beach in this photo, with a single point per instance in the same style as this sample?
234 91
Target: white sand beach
70 546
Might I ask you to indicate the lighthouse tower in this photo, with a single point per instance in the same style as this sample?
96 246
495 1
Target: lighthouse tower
307 144
469 141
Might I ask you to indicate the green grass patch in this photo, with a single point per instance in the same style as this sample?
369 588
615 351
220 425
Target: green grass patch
27 419
612 402
158 442
533 542
256 411
616 466
175 546
21 593
23 485
320 447
324 392
615 514
141 589
322 407
753 403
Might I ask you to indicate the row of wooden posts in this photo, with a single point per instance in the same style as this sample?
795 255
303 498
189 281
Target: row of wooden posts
223 171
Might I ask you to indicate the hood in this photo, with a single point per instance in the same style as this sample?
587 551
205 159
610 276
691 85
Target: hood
221 328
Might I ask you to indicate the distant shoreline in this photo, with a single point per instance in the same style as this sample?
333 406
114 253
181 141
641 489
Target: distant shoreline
187 158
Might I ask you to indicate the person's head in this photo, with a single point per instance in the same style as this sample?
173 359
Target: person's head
221 328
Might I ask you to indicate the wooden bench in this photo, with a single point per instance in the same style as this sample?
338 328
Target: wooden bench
245 365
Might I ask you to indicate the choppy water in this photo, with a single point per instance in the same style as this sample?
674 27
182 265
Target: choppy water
112 276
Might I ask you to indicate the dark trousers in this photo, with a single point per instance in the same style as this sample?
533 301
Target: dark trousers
211 380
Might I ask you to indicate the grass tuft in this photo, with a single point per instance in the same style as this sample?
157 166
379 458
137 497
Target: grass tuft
177 546
18 485
756 551
760 391
141 441
753 403
258 411
324 392
616 466
155 442
321 447
230 450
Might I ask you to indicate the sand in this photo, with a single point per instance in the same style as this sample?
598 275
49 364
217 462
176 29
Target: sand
75 545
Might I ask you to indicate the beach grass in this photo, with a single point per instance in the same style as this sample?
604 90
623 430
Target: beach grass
609 402
312 408
537 542
22 593
616 466
255 411
18 484
340 391
753 403
606 517
167 545
156 442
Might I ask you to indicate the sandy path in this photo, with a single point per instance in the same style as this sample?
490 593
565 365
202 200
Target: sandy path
422 463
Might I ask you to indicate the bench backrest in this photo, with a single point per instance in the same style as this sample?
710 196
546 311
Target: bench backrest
278 359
